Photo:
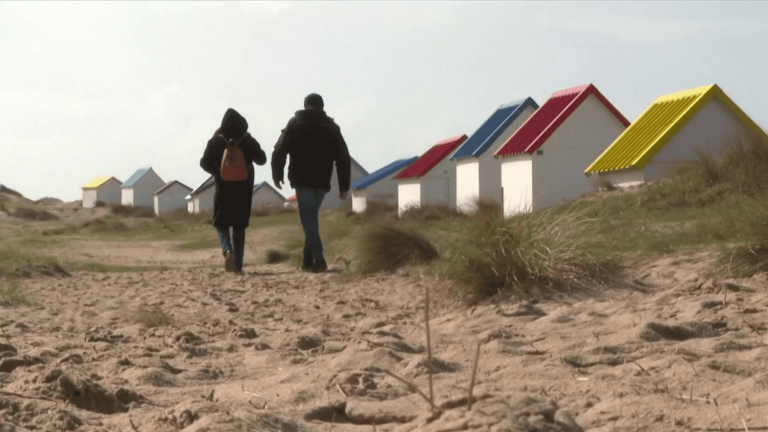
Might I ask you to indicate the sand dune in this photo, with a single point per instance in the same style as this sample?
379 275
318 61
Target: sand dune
282 350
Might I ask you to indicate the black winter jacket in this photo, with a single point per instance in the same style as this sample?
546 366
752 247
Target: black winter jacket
232 200
314 142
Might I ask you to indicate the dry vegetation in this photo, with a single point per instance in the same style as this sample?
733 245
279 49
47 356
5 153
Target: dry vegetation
271 211
129 211
151 317
430 213
32 214
275 256
13 295
387 248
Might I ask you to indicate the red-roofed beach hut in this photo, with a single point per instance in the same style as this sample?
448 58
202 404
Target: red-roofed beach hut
430 179
543 162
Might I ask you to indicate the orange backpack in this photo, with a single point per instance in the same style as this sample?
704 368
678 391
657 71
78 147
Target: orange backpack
233 163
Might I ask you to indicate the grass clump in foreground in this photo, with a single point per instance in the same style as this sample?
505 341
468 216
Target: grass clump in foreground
275 256
152 317
524 255
386 248
750 255
13 295
17 257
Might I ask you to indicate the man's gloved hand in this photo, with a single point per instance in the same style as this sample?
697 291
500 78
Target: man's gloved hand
343 195
278 183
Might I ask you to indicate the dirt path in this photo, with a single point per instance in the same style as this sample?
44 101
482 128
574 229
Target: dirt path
283 350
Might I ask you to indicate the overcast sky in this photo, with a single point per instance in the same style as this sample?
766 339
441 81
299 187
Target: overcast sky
93 89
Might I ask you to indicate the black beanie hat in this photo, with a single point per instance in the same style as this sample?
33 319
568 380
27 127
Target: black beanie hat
313 100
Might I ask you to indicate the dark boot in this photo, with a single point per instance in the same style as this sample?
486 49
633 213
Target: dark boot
307 262
320 266
229 261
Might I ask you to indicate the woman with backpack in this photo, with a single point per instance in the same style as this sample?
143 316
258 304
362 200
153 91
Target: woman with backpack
229 158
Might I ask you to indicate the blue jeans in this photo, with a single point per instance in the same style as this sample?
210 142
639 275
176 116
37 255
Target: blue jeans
310 200
234 243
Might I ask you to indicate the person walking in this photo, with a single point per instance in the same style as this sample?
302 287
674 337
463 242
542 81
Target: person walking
314 142
234 192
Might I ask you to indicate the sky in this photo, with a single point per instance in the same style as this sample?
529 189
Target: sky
91 89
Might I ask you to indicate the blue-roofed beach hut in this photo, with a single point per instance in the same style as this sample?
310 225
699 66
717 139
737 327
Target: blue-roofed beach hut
378 186
478 173
139 189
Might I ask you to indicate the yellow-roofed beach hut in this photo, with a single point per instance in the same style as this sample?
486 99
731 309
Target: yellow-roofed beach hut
671 131
103 189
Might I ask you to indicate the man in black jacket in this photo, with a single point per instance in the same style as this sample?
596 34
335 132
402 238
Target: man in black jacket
314 142
232 199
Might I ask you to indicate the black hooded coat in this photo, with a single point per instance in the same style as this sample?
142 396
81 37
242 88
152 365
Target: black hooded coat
232 200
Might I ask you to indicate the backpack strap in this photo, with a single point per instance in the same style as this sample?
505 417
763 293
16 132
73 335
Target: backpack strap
239 140
236 142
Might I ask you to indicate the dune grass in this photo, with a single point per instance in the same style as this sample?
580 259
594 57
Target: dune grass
388 247
151 317
274 256
13 295
33 214
524 255
706 203
15 257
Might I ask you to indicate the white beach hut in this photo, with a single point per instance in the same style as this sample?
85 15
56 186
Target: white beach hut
265 196
671 131
478 173
101 189
430 179
171 197
201 198
378 186
139 189
543 162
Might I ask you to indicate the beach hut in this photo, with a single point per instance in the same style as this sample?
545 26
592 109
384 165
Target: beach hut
265 196
430 179
139 189
332 200
478 173
670 131
378 186
201 198
101 189
543 162
171 197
